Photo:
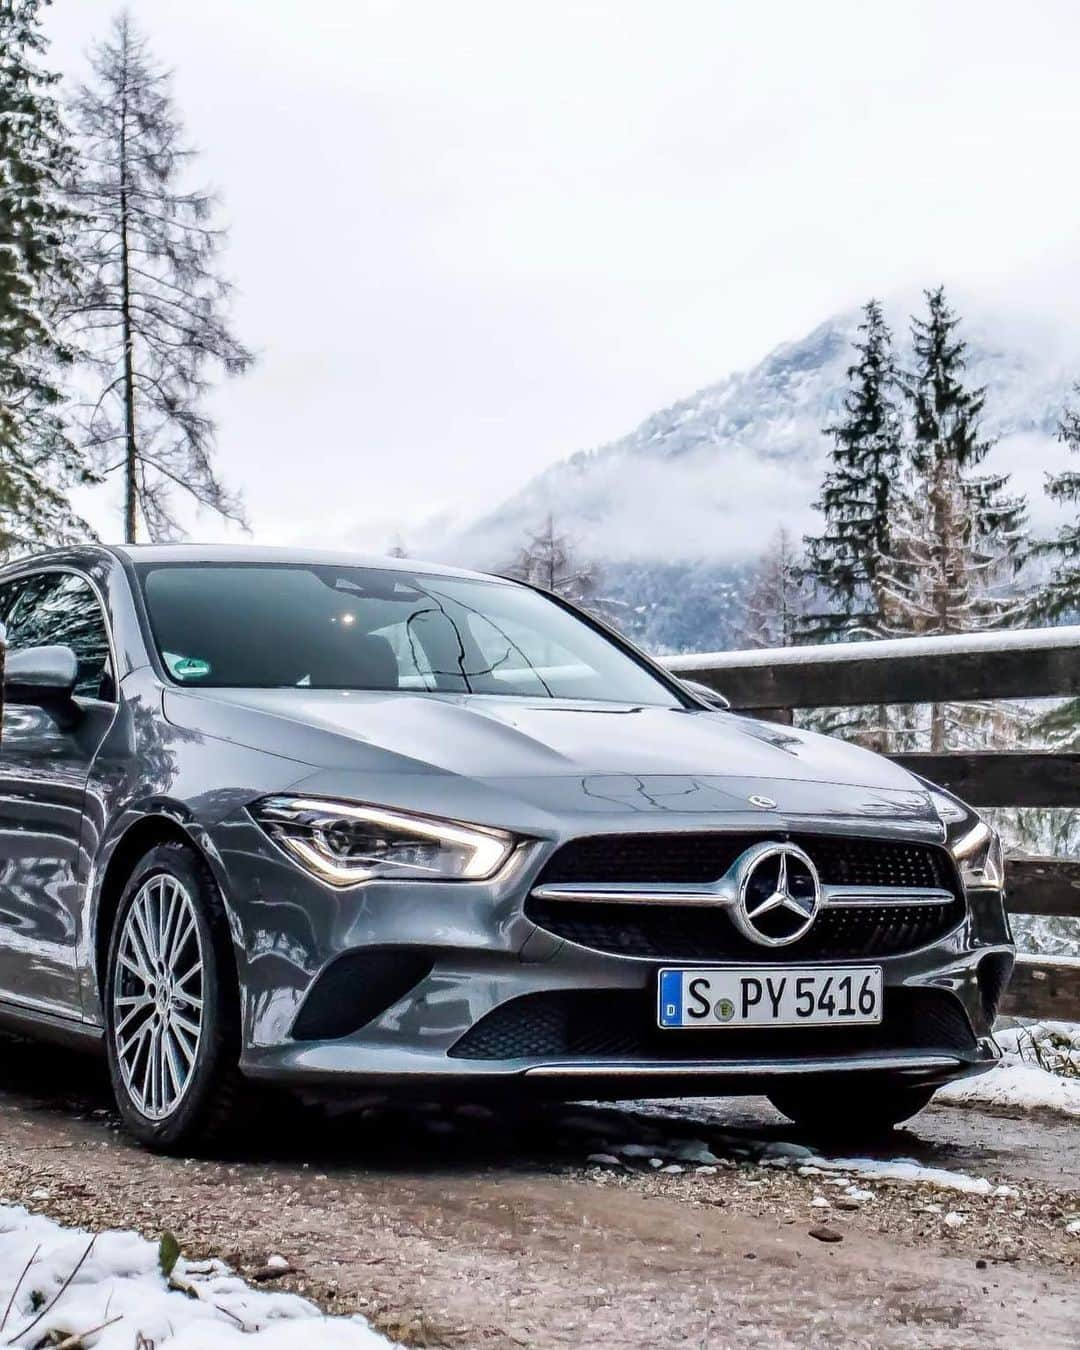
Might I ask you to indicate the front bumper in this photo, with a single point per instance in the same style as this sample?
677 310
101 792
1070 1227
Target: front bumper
428 1037
466 953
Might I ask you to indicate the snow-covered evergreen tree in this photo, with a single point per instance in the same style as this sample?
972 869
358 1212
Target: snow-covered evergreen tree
1059 597
778 596
859 495
38 460
549 559
959 534
149 304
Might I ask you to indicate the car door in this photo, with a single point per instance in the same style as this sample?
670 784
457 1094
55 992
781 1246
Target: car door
45 757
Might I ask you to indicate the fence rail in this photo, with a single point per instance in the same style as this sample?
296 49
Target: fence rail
983 667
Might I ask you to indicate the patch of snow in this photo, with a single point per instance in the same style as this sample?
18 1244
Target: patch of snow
898 1169
117 1281
780 1154
1048 1045
1024 1087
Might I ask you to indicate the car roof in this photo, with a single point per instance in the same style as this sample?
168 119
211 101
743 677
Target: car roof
256 553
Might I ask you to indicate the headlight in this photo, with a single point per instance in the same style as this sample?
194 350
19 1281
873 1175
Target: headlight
978 853
975 846
345 844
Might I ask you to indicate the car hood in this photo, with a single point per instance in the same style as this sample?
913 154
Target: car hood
617 757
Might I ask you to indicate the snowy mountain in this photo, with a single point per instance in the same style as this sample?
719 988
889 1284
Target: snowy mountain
680 508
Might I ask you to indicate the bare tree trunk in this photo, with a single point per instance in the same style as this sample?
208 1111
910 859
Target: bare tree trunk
131 512
882 733
942 528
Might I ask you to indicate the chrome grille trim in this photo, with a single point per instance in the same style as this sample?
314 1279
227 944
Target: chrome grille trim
842 896
722 894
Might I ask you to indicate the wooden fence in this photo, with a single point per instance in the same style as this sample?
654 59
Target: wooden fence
1026 663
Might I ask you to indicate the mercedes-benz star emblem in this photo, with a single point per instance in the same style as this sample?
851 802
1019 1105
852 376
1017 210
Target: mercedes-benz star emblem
779 894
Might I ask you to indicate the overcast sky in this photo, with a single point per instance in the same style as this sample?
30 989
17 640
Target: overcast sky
473 236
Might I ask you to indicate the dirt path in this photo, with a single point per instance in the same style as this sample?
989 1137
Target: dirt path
481 1229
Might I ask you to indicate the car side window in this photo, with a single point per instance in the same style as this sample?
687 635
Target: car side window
61 608
9 593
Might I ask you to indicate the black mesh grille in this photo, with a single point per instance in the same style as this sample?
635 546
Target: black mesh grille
621 1024
704 934
705 856
686 932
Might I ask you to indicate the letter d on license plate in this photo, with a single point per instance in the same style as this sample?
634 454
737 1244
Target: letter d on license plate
769 996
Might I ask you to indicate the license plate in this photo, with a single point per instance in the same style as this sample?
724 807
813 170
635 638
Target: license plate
769 996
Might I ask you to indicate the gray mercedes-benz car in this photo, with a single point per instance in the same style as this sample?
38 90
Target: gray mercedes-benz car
381 826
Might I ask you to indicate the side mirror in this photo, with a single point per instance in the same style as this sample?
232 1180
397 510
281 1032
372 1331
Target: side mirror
710 696
40 675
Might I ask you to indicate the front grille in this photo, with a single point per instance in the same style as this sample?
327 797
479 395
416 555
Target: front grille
704 856
669 931
693 933
620 1024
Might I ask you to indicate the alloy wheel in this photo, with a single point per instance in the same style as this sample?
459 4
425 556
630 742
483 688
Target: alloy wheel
157 996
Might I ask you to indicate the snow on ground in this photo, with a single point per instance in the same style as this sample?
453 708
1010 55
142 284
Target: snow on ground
1021 1086
889 1169
906 1170
113 1282
1039 1069
674 1155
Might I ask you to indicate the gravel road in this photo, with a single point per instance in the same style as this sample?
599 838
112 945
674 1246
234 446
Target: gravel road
474 1228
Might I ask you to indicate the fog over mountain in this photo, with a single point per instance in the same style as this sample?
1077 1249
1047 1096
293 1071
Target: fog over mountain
677 510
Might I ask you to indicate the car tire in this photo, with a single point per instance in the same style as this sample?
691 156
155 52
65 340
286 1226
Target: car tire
172 1014
849 1111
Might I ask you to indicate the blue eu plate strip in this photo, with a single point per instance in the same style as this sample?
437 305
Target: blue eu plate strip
671 998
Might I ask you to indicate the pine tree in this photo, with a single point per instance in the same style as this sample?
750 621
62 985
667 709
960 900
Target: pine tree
859 495
548 559
38 460
959 536
777 600
149 302
1059 597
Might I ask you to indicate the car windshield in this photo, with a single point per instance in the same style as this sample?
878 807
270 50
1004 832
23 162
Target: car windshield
254 625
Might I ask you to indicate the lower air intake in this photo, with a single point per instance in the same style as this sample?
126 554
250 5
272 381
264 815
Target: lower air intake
621 1024
356 988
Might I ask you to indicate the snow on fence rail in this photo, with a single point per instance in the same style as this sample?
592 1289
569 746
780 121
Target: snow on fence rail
1022 663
